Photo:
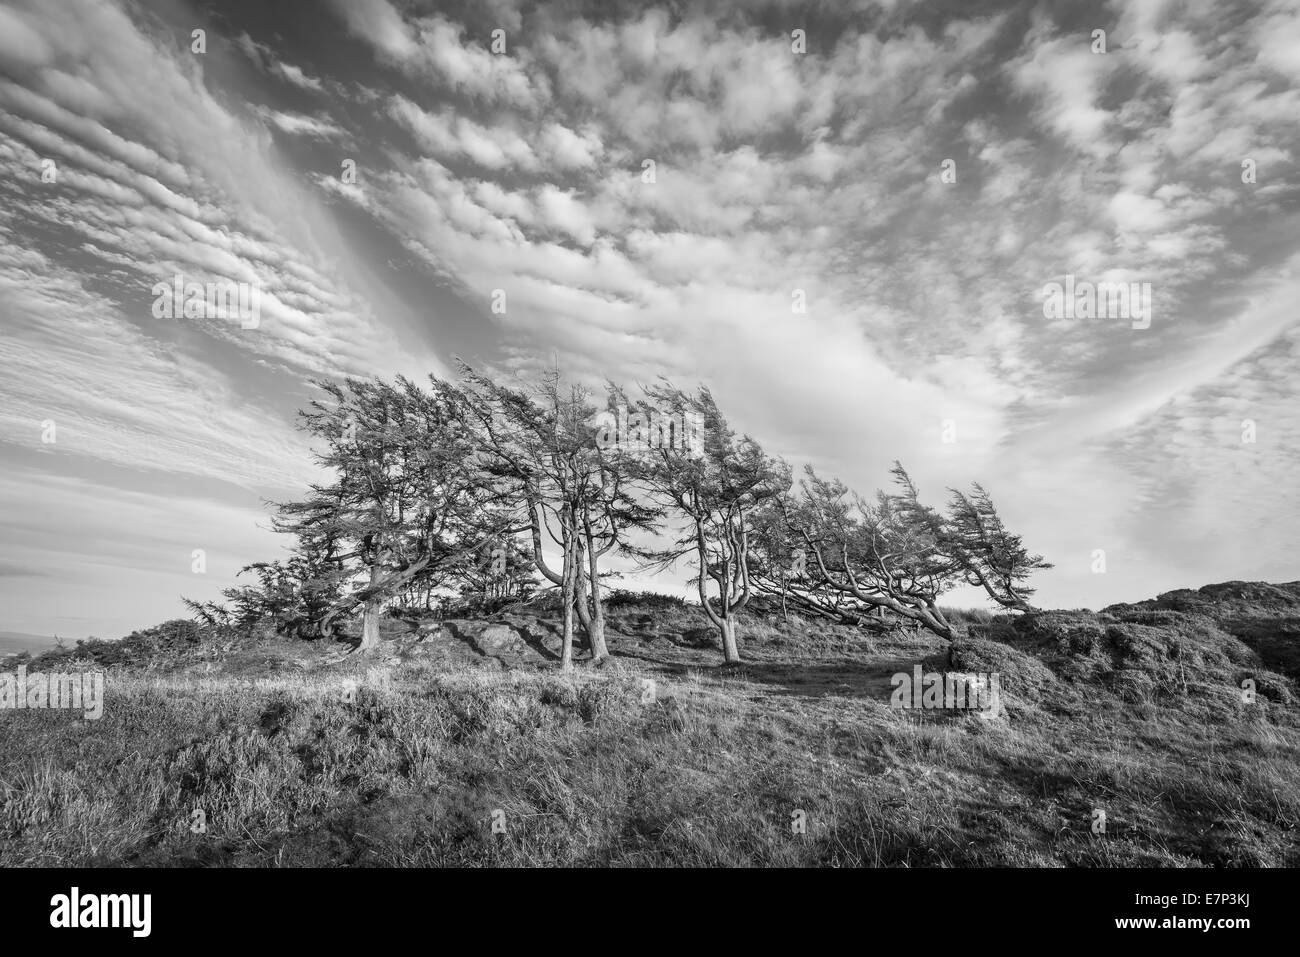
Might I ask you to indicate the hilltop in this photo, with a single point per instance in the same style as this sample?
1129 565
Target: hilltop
304 753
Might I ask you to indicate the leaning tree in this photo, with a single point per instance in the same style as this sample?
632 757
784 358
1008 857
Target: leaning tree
541 443
881 554
715 480
987 555
899 555
779 570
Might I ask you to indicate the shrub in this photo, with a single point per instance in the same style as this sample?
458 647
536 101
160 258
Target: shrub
624 598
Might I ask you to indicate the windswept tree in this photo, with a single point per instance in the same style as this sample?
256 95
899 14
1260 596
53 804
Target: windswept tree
427 487
691 461
289 593
779 569
900 555
543 443
883 554
608 511
986 553
405 502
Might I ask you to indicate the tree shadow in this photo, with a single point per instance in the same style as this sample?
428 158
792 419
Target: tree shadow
676 668
844 678
537 644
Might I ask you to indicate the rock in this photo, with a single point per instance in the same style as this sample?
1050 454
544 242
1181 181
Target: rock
497 640
434 635
500 641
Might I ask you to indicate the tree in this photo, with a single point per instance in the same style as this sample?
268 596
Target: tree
289 595
715 480
533 450
543 442
884 555
900 555
779 568
988 555
406 502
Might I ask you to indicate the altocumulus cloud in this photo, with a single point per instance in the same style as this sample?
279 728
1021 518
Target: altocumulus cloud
779 177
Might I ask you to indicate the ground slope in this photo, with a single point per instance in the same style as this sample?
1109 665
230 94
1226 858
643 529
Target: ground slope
458 742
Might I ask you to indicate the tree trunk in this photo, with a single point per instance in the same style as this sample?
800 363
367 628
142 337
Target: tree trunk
370 616
596 636
566 641
727 629
568 593
593 615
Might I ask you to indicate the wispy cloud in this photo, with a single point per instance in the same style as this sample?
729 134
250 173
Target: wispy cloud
849 243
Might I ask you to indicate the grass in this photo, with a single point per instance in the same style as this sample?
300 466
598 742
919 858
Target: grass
298 755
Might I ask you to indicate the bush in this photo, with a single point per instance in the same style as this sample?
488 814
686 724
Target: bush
967 616
623 598
171 639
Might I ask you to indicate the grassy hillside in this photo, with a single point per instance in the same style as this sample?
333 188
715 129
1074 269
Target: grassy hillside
300 753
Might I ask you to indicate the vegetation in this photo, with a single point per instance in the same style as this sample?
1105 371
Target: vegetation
463 735
457 747
454 490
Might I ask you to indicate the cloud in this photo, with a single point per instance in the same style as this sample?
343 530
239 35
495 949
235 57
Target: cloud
797 248
434 47
1069 79
299 124
379 23
265 58
105 560
448 135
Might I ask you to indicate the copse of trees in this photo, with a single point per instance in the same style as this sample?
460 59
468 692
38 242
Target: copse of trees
470 488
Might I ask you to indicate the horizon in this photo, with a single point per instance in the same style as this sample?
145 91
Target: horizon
856 246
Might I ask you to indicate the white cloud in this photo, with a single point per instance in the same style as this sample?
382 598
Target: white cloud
299 124
448 135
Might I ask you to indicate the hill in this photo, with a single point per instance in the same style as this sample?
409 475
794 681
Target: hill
12 642
459 742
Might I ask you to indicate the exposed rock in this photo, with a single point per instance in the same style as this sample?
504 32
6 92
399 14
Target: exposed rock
505 642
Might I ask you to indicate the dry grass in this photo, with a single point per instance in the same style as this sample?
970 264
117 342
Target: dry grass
406 759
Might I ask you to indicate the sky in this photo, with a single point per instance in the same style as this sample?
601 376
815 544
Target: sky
844 218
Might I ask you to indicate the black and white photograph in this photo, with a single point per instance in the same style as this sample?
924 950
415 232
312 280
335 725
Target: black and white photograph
754 435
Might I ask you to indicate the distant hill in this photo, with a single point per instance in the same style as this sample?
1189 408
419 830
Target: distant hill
1247 599
12 642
